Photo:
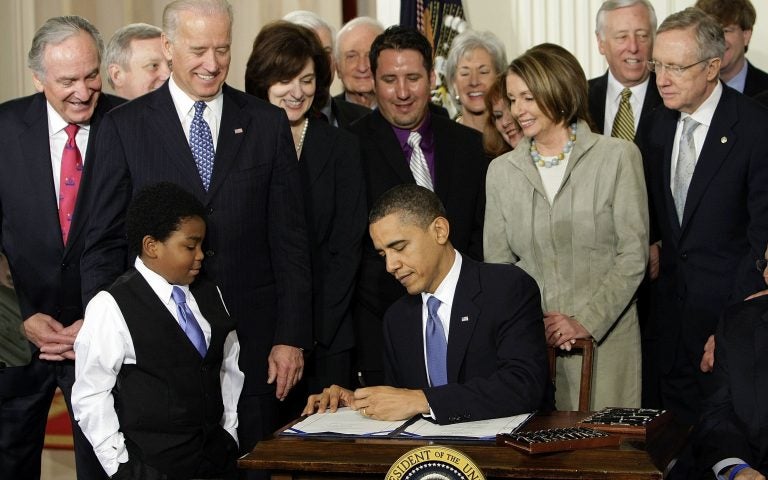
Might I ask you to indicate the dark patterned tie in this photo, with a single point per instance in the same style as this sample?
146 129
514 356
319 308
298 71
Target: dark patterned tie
188 321
69 180
201 142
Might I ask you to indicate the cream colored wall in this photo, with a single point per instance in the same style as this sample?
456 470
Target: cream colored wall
519 23
22 17
523 23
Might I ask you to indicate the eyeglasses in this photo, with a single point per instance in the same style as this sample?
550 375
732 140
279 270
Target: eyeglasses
761 264
674 70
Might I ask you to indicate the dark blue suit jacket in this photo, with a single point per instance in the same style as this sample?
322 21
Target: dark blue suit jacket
708 262
735 419
46 273
256 247
497 361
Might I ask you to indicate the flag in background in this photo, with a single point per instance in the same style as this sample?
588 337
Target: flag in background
440 21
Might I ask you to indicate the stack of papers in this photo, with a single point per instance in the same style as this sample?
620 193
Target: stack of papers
347 422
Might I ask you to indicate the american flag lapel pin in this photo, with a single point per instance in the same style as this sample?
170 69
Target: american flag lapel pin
238 130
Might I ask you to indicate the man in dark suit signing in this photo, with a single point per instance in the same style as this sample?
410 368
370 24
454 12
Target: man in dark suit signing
466 343
236 154
48 158
708 177
403 142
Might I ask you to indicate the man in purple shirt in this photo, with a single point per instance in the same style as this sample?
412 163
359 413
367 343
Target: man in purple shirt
445 157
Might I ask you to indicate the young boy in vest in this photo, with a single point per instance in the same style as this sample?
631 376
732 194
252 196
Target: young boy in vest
157 377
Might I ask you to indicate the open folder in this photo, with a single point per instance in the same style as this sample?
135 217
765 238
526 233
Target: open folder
349 423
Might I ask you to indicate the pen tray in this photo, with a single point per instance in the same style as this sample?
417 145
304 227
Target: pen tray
557 440
643 422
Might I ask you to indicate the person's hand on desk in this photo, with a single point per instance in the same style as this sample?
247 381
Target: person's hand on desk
389 403
332 398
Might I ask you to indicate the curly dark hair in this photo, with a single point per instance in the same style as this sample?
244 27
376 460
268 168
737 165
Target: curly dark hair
157 210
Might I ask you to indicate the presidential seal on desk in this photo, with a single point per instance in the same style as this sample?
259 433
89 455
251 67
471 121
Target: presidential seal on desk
434 463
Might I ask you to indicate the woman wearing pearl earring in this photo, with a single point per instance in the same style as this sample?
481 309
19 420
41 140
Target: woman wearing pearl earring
570 208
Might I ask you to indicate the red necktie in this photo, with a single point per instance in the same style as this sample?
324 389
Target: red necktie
69 181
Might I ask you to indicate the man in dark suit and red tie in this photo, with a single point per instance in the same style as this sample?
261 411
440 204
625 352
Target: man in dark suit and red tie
466 343
235 153
402 141
47 163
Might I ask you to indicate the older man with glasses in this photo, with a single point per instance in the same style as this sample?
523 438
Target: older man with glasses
707 175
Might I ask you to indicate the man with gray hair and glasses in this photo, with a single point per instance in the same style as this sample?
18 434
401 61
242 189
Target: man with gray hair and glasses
707 170
134 60
48 154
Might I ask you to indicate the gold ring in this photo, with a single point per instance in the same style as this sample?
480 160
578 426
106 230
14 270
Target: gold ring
364 414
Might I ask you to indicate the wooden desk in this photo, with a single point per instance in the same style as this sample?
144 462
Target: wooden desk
305 458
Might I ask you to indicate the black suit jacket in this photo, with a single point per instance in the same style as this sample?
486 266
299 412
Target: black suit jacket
460 167
346 112
735 420
708 262
334 190
46 273
598 89
256 246
497 363
756 82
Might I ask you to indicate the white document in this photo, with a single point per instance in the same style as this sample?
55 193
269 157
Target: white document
482 429
344 421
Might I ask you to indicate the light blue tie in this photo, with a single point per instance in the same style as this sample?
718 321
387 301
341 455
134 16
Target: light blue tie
686 163
188 321
437 346
201 142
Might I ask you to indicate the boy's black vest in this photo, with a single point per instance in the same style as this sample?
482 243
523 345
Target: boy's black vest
169 403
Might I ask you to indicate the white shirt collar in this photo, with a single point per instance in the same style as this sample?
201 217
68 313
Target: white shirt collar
57 124
447 288
638 92
159 285
185 104
706 110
